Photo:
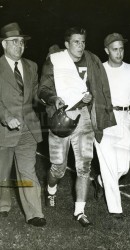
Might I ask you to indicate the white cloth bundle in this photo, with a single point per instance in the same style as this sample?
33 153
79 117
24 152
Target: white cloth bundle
69 85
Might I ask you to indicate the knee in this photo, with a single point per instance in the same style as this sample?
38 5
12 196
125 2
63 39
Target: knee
83 170
58 171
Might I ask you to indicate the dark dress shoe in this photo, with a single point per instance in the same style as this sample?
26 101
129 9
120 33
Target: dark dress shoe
37 222
4 214
118 216
82 219
99 191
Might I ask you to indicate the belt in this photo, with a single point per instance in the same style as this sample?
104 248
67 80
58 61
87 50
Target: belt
117 108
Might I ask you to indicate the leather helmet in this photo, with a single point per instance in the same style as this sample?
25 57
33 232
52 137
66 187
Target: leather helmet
60 124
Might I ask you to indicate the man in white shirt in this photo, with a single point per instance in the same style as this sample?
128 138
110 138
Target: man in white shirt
114 149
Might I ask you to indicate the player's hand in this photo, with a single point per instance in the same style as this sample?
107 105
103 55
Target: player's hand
87 98
14 124
59 103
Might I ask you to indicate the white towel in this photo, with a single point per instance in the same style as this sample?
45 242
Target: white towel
69 85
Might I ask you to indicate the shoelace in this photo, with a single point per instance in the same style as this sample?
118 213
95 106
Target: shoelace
52 199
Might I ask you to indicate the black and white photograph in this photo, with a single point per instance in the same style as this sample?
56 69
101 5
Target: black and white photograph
64 124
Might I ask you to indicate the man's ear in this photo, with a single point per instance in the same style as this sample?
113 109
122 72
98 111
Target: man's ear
66 45
107 51
4 44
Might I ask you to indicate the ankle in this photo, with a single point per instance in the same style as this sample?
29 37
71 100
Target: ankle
79 207
52 190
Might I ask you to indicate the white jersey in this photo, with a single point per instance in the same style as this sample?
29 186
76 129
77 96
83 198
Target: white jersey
119 81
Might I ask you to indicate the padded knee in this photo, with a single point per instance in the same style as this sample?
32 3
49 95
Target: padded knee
83 169
58 171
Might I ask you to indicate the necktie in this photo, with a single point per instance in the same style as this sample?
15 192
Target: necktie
18 78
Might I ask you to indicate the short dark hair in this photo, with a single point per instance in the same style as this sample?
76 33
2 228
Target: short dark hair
74 30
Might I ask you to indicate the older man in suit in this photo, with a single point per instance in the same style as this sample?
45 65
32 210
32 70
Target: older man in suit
19 126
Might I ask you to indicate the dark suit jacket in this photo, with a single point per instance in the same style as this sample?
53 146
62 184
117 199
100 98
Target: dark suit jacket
13 105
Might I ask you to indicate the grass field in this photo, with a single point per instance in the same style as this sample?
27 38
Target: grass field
62 231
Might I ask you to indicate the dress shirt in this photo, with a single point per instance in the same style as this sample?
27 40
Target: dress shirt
12 65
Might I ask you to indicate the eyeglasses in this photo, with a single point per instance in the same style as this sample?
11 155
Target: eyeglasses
78 43
17 42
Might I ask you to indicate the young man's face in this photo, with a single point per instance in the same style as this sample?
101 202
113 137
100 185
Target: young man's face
76 46
115 52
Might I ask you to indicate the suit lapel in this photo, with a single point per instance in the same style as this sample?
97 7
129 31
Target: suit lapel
7 73
26 71
26 77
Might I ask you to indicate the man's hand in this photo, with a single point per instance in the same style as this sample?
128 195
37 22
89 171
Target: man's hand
87 98
14 124
59 103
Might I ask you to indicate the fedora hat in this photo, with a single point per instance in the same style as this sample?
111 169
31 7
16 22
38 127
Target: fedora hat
12 30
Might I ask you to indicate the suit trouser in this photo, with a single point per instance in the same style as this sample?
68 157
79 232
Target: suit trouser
114 155
24 155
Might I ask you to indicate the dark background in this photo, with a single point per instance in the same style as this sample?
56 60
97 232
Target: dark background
46 21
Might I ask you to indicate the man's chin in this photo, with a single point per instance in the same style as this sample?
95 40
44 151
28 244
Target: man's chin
79 55
119 60
17 57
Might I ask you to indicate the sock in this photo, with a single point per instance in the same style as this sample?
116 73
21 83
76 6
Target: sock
79 207
52 190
